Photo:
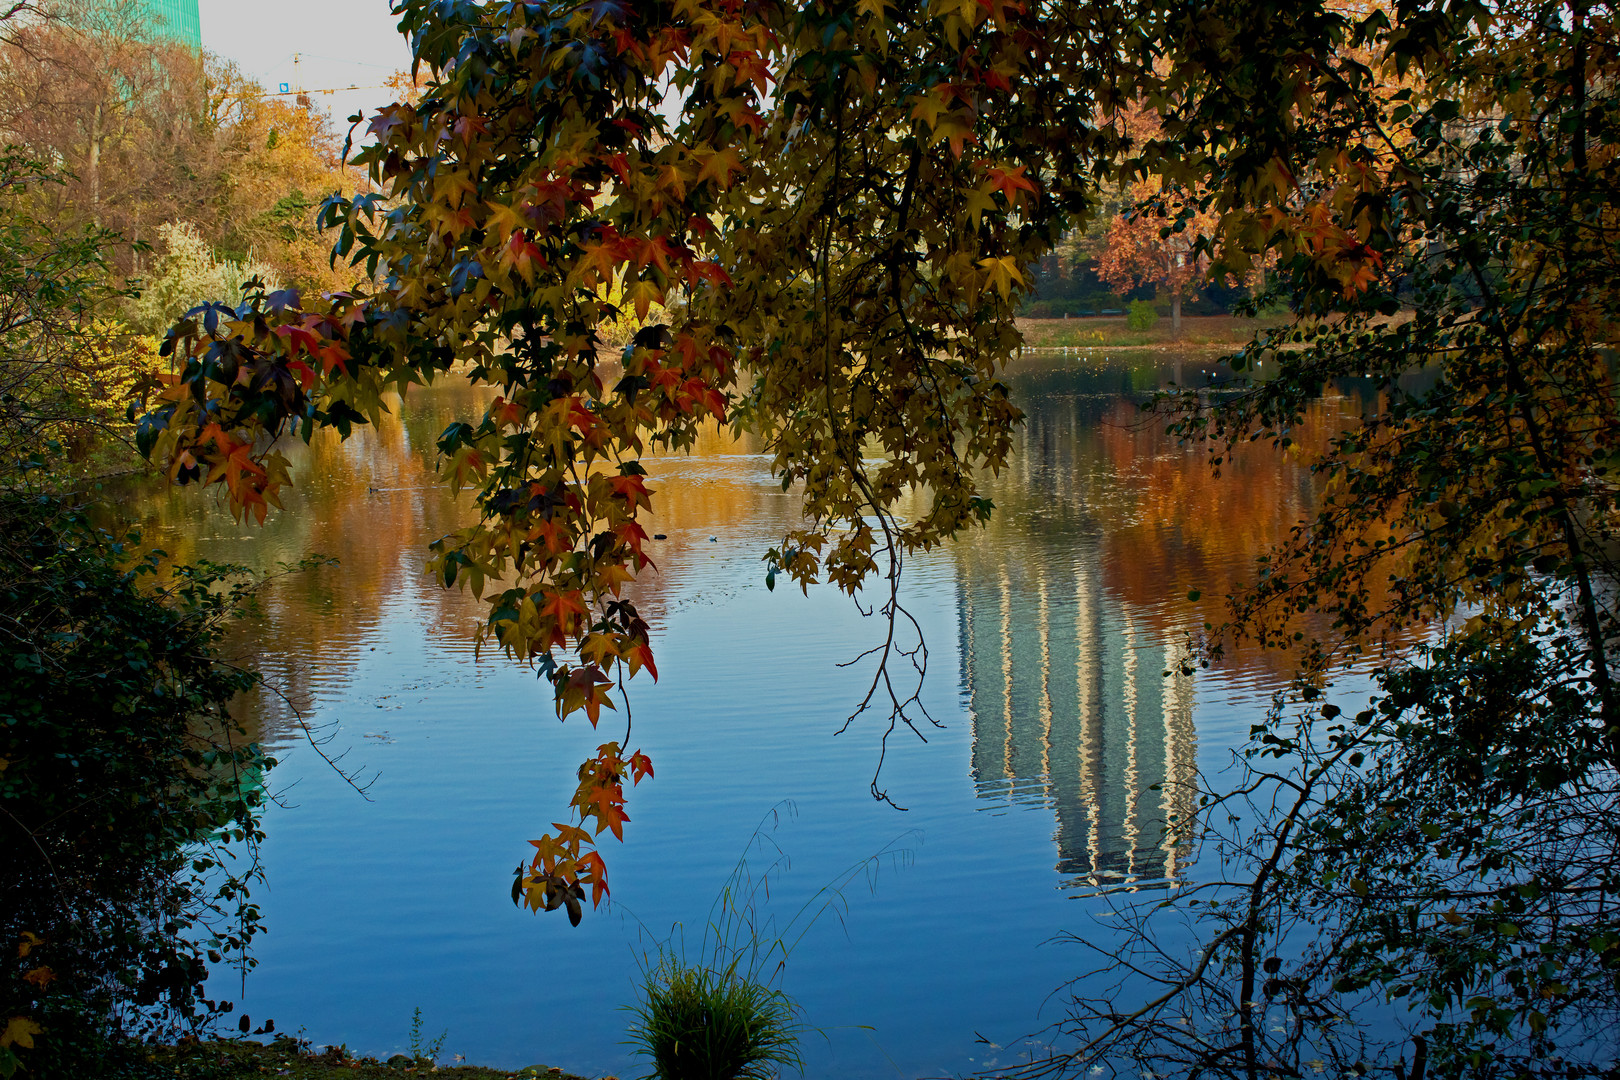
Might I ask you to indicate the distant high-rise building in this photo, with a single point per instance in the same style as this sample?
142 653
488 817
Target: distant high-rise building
175 20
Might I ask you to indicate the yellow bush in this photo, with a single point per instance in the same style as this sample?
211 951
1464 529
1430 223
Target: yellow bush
114 367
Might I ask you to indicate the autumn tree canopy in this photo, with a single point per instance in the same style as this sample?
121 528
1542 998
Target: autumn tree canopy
845 201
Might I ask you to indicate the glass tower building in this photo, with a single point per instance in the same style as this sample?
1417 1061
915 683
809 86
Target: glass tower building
175 20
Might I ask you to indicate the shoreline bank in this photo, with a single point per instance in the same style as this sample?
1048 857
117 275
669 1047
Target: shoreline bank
233 1059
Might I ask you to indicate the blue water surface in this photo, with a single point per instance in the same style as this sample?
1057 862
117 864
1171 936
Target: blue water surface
1060 750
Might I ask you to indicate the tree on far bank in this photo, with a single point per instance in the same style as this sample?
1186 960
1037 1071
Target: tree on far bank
127 118
282 159
1154 242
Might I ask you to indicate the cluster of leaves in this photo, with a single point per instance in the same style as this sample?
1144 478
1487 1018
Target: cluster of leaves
836 206
122 780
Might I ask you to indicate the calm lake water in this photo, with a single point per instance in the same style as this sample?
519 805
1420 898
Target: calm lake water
1063 746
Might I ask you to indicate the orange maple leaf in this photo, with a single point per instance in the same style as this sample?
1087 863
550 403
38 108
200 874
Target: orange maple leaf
505 412
607 804
710 271
632 489
556 538
640 766
1010 182
587 688
332 355
594 870
633 534
40 977
565 607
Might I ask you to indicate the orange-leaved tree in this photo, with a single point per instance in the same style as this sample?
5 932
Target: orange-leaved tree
1155 242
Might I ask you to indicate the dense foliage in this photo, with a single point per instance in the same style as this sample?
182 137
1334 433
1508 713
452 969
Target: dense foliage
849 252
188 273
67 373
147 133
122 778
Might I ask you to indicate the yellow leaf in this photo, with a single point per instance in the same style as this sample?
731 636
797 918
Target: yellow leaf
612 576
20 1031
927 109
1000 273
452 186
503 219
719 166
643 294
975 202
598 649
956 129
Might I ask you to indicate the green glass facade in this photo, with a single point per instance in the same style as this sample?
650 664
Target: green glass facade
176 20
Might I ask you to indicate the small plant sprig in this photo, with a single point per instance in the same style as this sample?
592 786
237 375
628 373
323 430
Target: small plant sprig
424 1051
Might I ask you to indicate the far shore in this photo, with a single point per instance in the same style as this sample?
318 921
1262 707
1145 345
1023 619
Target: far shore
1199 333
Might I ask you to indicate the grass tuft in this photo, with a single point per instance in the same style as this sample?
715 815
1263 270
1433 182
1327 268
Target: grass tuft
698 1024
721 1016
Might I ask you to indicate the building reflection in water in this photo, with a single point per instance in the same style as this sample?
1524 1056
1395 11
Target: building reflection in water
1075 691
1070 704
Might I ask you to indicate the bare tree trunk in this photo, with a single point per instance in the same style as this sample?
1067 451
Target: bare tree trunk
1174 282
94 168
